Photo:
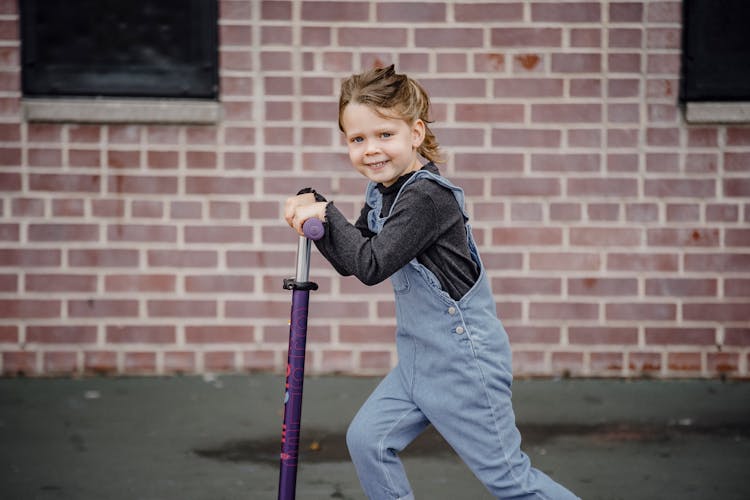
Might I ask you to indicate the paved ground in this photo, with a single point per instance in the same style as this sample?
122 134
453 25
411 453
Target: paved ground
218 438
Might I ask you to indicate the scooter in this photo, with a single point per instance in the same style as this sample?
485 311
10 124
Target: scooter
295 368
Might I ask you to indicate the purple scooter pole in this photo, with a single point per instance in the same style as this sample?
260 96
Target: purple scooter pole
295 368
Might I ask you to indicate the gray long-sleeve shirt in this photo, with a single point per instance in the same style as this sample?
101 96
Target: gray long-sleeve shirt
426 223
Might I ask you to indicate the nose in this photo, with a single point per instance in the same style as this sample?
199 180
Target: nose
372 148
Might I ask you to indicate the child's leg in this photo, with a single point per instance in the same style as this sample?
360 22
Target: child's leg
471 407
386 423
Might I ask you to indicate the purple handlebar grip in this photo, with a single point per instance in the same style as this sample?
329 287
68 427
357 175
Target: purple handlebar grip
313 229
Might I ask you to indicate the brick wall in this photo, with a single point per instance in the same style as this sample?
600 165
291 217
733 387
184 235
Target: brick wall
616 235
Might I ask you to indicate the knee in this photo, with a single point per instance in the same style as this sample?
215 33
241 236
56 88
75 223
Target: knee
359 439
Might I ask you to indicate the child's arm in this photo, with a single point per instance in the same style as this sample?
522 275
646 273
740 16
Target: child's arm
411 228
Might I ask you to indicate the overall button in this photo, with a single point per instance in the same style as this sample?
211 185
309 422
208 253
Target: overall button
460 330
451 310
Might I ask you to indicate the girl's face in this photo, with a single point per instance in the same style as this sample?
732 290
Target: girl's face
381 149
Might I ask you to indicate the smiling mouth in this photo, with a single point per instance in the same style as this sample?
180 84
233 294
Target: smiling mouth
377 165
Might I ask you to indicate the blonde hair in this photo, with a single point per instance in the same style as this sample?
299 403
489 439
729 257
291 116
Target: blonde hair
384 89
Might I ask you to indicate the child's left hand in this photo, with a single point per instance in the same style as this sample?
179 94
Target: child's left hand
298 209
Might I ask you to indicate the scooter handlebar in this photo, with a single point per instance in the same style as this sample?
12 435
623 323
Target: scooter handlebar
313 229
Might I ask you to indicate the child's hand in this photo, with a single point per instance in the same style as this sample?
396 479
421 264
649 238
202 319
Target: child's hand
298 209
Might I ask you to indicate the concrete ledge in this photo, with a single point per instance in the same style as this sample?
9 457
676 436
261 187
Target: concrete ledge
96 110
717 112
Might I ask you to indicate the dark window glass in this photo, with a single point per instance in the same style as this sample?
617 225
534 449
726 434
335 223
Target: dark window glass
135 48
716 50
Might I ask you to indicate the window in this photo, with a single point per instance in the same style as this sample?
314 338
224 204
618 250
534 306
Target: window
119 49
716 59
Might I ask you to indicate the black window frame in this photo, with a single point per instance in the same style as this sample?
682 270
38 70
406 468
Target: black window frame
189 70
715 51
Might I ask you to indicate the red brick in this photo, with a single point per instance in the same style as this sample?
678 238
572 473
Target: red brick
681 287
8 283
737 337
219 283
219 361
61 334
586 37
64 183
626 12
448 37
534 335
334 11
527 236
362 334
564 261
68 208
103 258
603 335
270 10
563 310
137 184
139 362
26 308
736 187
8 334
576 12
181 308
644 362
219 185
141 334
10 157
576 63
737 287
625 38
182 258
123 159
143 233
722 212
489 162
723 362
605 237
235 60
683 212
566 113
489 62
139 283
601 362
684 361
10 181
219 234
162 159
19 363
565 162
602 286
680 336
9 232
526 37
567 363
258 360
664 12
721 262
100 362
683 237
60 363
102 308
529 362
29 257
488 12
377 361
526 187
642 262
641 311
176 362
60 283
526 212
337 361
726 312
218 334
108 208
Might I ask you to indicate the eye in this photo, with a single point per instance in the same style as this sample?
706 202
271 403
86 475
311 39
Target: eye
357 140
386 135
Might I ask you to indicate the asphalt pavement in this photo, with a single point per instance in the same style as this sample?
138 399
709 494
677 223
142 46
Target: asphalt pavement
213 438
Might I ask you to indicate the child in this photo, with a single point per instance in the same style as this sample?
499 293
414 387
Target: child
454 368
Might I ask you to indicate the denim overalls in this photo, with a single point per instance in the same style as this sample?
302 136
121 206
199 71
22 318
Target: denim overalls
454 371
